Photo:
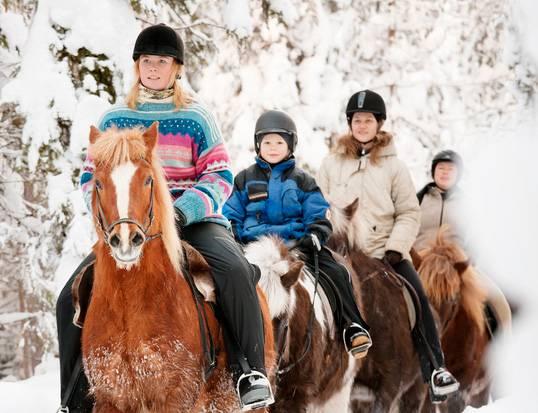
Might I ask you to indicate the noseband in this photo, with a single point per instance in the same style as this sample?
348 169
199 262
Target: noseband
106 228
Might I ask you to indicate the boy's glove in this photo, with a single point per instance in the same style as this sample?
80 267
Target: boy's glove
310 242
392 257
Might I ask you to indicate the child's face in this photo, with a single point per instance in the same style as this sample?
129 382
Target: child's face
273 148
445 175
155 71
363 126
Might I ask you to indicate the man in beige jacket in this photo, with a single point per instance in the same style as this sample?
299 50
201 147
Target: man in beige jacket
364 166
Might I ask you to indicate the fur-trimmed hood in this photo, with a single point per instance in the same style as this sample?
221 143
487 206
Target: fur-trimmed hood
389 214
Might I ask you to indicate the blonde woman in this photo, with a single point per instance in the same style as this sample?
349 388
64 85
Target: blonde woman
197 167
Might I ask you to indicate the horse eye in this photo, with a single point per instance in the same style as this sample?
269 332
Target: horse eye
149 180
98 184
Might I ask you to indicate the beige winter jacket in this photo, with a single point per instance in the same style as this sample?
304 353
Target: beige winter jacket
439 209
389 215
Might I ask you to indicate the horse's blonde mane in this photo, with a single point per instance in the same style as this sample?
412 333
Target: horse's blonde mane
117 146
443 282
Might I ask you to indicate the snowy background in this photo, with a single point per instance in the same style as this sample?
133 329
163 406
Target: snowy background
455 74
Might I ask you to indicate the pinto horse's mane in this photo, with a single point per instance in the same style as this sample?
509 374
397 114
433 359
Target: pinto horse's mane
446 274
118 146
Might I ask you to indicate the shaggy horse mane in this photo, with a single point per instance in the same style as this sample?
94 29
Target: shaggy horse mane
447 275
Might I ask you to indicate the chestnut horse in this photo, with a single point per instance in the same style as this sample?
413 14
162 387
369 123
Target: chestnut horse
454 290
315 373
141 343
390 378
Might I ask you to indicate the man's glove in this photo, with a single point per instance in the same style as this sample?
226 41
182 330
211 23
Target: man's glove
310 242
392 257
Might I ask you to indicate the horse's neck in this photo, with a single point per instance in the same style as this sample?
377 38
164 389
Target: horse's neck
153 277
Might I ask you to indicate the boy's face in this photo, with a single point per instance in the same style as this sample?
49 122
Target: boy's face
273 148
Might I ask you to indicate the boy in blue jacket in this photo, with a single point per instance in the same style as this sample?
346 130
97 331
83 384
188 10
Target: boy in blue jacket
274 197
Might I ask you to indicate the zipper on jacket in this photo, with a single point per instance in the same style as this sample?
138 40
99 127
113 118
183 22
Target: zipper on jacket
442 211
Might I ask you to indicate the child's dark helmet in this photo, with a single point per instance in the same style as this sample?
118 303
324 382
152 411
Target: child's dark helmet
159 40
275 121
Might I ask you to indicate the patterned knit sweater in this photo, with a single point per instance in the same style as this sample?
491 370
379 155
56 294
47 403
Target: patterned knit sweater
190 146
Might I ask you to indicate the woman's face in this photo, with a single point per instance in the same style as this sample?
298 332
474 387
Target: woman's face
445 175
155 71
363 126
273 148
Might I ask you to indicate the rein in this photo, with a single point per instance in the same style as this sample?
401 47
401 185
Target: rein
106 228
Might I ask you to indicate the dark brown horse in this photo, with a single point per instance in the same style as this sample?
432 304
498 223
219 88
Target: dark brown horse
315 373
454 290
141 343
389 379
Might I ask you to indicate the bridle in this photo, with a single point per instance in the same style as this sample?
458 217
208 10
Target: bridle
106 228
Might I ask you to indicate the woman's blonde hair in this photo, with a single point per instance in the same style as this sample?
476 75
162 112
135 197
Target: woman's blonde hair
349 147
181 98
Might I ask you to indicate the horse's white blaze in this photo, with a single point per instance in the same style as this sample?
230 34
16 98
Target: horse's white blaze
308 284
121 177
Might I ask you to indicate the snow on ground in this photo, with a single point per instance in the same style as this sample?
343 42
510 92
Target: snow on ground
39 393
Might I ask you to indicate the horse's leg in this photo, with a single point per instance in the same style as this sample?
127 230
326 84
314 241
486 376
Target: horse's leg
413 398
339 401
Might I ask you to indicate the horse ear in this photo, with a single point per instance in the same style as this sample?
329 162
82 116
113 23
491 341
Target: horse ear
94 134
291 277
416 257
150 137
350 210
462 266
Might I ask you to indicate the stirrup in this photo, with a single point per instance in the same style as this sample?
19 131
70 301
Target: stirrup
252 377
443 390
356 351
435 399
63 409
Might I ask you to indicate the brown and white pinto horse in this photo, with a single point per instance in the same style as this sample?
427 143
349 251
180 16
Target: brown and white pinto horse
141 343
389 379
454 290
314 374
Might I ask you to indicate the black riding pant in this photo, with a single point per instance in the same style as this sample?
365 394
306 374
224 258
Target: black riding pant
235 282
339 275
425 334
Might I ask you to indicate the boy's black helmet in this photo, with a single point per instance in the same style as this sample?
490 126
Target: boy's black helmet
160 40
366 101
447 155
275 121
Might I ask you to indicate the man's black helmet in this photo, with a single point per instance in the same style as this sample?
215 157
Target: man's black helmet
275 121
366 101
448 155
160 40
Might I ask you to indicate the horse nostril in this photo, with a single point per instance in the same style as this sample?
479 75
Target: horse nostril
137 239
114 240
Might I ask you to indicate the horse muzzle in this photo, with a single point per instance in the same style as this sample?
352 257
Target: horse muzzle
126 245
